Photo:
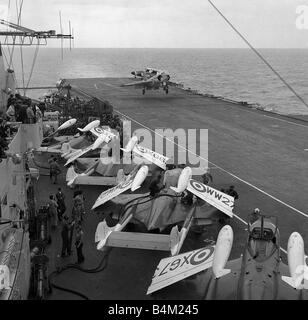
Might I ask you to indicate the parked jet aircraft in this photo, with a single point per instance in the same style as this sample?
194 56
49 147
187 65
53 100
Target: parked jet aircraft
259 274
102 136
115 237
107 236
152 79
142 153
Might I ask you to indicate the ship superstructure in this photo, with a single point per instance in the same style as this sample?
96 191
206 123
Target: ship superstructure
17 209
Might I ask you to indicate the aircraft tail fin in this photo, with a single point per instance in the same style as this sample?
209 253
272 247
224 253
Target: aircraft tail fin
135 189
82 130
288 280
102 233
67 150
294 283
222 273
175 237
175 189
120 176
71 176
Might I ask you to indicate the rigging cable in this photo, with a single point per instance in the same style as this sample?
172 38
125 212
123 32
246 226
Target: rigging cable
9 64
33 64
4 55
22 68
21 49
7 27
260 55
18 13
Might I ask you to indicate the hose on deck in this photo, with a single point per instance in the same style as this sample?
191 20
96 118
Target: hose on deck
104 262
101 267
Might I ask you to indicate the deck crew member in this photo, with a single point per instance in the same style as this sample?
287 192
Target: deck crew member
79 244
54 170
42 107
11 113
53 213
71 227
61 203
3 136
207 177
231 192
30 115
22 114
65 237
10 100
38 114
50 161
255 216
4 128
82 201
78 207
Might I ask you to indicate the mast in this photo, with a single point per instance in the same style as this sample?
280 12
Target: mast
22 36
3 95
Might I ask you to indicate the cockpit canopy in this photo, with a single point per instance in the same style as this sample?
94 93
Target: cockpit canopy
266 234
263 238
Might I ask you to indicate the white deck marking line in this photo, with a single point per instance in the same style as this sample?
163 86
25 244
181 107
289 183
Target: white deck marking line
282 120
244 222
113 86
222 169
239 218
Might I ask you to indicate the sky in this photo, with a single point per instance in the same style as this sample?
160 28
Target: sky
169 23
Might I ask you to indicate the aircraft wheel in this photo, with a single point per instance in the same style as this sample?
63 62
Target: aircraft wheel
167 91
143 91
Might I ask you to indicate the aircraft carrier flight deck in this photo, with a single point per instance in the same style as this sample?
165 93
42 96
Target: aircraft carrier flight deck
262 154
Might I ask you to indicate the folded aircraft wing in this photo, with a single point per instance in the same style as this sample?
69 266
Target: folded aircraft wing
103 136
152 156
114 192
99 131
139 84
215 198
142 83
75 155
177 268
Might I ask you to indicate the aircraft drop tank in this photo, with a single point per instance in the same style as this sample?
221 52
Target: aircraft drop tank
296 261
222 251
